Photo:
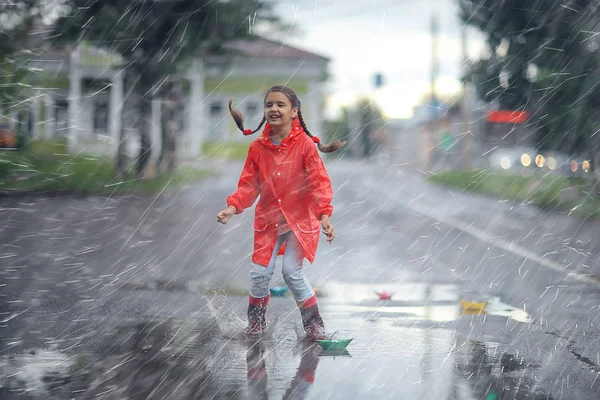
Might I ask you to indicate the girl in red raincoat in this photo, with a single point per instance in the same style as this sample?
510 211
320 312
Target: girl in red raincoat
284 168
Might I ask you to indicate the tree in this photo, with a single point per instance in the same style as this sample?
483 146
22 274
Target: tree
371 121
543 58
337 130
16 21
157 38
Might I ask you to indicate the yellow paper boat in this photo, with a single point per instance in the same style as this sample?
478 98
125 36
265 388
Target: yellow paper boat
473 306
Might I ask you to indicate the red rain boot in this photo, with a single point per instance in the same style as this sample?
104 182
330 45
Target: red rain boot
257 309
311 319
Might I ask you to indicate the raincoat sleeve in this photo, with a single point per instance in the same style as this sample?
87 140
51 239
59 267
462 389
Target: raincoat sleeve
248 187
318 183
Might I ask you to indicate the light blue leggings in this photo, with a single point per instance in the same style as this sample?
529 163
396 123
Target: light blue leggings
293 274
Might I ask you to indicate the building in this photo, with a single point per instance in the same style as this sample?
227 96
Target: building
78 94
246 77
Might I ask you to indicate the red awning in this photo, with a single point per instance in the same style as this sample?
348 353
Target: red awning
507 116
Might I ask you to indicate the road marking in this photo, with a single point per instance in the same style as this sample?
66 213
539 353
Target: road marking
500 243
494 241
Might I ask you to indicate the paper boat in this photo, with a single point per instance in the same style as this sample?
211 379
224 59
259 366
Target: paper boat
338 344
279 290
473 306
384 295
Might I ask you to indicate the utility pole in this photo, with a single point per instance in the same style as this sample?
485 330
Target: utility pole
435 63
467 103
430 140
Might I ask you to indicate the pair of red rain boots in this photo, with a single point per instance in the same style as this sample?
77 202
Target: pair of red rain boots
309 311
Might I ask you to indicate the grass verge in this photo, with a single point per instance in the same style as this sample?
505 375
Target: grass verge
546 192
46 167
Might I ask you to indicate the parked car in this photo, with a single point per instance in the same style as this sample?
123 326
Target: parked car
9 140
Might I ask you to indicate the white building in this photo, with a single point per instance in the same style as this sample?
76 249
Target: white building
78 94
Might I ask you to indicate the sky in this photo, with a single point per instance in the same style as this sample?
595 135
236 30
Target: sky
364 37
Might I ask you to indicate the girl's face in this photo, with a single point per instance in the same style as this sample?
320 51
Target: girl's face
279 110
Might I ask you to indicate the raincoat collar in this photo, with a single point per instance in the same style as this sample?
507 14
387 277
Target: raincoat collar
297 131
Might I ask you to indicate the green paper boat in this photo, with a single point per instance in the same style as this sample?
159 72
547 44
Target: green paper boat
279 291
334 344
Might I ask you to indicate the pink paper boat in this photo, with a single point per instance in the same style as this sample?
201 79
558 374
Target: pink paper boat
384 295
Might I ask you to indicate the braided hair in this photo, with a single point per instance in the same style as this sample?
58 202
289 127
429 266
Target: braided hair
238 117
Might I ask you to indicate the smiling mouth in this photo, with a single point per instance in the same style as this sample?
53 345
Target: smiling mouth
274 116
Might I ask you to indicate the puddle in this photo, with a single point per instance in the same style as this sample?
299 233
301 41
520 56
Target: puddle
197 357
496 307
182 359
26 372
429 313
409 293
419 300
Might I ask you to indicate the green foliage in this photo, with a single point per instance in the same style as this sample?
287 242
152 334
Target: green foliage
255 84
48 146
336 130
558 41
509 186
159 35
16 22
157 39
226 150
371 119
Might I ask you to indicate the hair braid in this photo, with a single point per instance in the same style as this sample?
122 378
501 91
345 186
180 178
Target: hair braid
324 148
238 117
262 122
303 124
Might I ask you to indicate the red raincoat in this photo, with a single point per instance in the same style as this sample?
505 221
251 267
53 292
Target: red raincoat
289 178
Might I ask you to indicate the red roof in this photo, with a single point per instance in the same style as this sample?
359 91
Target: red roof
261 47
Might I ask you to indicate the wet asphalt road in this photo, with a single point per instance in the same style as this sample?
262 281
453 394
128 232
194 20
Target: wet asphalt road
144 298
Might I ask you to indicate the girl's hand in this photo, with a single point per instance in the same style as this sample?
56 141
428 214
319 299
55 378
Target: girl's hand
224 216
327 228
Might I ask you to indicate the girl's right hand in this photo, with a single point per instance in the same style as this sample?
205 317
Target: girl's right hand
224 216
327 228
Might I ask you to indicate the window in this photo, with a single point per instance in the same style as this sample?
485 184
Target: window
24 122
101 117
215 109
252 109
61 114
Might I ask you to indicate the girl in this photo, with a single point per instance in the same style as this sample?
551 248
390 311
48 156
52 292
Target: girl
284 168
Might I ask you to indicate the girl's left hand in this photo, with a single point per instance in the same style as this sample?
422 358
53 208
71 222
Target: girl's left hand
328 229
